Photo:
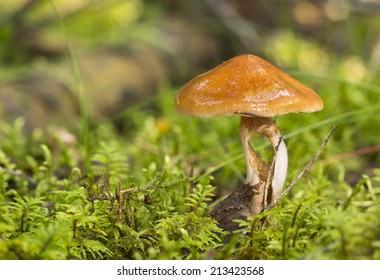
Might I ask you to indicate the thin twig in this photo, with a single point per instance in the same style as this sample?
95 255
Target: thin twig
121 197
304 170
350 154
120 208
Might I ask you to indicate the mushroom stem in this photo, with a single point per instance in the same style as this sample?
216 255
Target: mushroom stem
258 170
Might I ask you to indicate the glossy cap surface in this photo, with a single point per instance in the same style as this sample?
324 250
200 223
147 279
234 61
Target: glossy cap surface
245 84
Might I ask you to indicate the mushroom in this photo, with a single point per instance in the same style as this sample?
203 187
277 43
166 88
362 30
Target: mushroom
252 88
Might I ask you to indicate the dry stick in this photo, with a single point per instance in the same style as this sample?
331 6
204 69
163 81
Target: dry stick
121 201
350 154
304 170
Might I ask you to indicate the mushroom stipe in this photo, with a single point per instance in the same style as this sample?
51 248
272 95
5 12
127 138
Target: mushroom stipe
240 204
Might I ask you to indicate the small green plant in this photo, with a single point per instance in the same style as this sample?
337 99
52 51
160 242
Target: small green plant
104 214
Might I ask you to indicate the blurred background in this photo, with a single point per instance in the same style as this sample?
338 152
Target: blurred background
121 62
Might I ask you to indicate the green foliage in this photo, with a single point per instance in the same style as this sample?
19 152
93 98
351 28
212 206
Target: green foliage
321 228
104 214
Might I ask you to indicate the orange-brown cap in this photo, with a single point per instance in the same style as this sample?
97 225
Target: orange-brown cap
245 84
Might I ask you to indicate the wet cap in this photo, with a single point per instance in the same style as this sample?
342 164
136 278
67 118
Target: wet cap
245 85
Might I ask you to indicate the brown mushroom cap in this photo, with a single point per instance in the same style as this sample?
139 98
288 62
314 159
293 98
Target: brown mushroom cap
245 84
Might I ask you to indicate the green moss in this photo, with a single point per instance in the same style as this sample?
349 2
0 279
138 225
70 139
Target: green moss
107 213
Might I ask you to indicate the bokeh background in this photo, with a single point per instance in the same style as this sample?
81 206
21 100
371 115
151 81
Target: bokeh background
118 64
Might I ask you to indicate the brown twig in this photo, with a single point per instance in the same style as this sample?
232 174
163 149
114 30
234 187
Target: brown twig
354 153
120 197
